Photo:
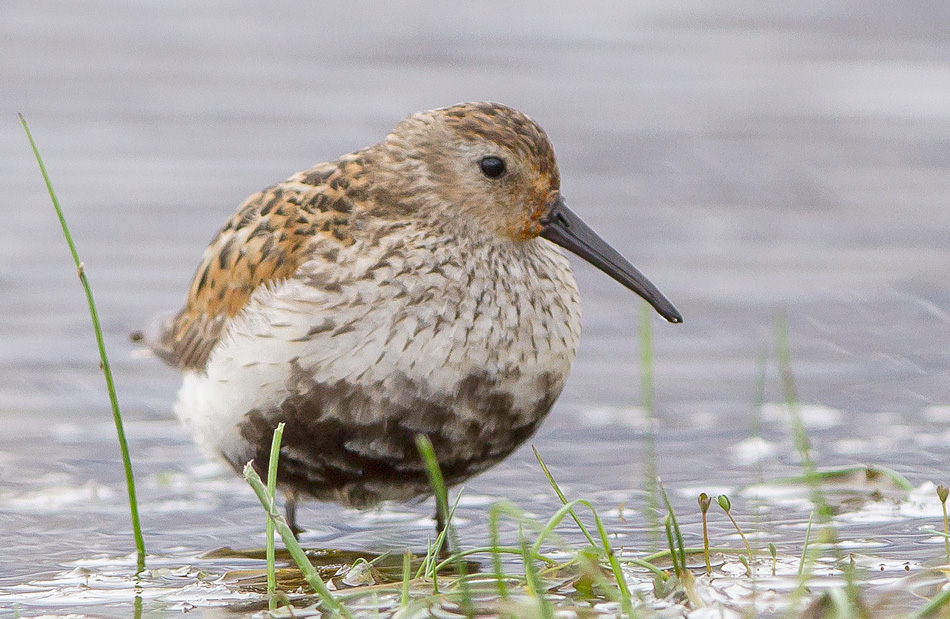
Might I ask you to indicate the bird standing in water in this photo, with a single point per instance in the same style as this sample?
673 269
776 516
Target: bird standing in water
412 287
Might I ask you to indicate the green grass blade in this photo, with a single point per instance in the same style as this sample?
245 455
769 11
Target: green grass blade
548 529
272 493
790 396
453 557
934 606
533 579
103 358
801 563
560 495
624 590
626 601
437 481
493 513
424 445
677 534
406 568
298 554
650 471
674 555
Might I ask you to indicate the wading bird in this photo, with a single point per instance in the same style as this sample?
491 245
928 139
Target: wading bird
413 287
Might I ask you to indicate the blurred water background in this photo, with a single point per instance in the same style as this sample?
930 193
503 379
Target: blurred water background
748 157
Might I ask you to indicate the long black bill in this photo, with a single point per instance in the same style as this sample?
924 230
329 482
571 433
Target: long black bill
564 228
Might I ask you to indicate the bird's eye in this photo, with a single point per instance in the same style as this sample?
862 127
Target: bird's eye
492 167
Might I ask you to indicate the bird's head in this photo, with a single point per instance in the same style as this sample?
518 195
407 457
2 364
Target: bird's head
487 169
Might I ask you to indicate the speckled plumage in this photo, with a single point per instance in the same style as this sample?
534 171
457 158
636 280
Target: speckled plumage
395 291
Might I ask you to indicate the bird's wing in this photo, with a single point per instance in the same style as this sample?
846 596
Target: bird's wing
263 243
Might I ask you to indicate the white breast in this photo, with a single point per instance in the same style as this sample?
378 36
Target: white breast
406 309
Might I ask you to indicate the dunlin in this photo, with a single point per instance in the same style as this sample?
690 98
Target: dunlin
413 287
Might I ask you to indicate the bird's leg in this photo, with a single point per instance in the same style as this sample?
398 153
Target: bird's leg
290 512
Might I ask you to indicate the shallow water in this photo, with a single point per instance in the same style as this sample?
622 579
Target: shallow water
747 159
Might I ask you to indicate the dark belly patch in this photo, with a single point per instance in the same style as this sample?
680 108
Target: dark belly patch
353 445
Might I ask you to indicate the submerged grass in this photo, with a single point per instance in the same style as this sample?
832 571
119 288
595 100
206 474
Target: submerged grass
602 532
103 357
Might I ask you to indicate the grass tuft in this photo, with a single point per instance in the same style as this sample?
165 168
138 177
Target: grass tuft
560 495
812 476
673 534
625 598
298 554
704 503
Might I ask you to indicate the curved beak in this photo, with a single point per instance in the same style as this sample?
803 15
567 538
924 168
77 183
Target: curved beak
562 227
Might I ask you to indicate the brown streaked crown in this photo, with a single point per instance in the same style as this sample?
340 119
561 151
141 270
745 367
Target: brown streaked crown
508 127
433 165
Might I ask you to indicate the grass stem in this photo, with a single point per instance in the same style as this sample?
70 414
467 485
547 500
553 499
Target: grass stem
568 508
726 506
448 533
674 555
272 492
704 503
532 578
650 472
801 563
103 358
560 495
675 534
942 493
406 568
496 553
300 557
